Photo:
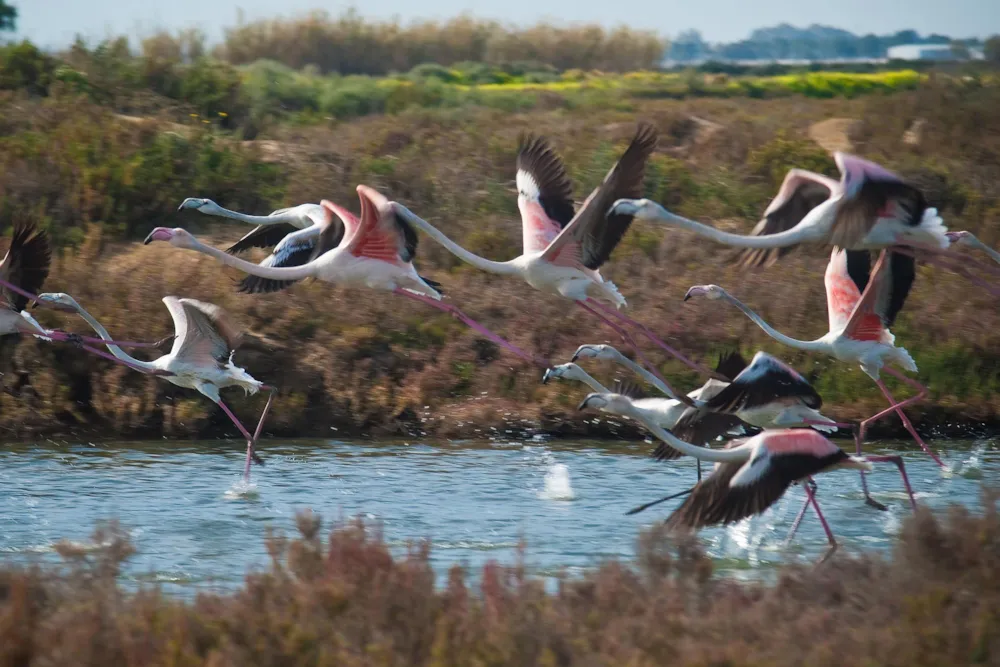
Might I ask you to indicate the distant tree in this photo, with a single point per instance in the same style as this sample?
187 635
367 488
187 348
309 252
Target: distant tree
991 49
8 17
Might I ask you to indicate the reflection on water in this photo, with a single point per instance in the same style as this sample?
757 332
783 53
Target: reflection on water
196 527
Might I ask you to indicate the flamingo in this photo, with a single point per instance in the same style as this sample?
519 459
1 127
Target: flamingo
859 326
292 232
869 208
201 357
563 251
968 239
23 270
751 475
375 251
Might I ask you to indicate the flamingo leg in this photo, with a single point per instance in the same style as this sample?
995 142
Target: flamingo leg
251 454
684 398
809 486
73 338
652 337
960 266
898 409
476 326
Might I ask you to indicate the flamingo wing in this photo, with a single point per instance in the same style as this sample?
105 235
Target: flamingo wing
887 289
699 427
382 234
205 335
26 265
876 194
765 381
544 192
843 294
731 364
736 491
295 249
592 234
262 236
902 272
800 192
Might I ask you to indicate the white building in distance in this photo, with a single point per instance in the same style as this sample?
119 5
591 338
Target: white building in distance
928 52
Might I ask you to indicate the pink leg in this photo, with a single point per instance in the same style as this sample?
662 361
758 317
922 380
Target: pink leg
958 266
586 305
17 290
951 257
246 434
808 484
538 361
74 338
651 336
898 409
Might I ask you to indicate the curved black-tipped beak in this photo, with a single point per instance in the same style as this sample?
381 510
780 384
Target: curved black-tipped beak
548 374
576 355
687 295
583 404
181 207
149 239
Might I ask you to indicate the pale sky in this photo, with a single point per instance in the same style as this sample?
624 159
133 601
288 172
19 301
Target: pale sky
53 23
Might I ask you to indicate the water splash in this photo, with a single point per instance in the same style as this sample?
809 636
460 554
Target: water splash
242 489
557 484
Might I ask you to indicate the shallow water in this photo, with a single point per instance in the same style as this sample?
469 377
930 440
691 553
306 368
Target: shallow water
196 528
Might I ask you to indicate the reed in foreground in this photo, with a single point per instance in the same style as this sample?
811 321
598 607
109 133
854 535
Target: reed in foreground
933 601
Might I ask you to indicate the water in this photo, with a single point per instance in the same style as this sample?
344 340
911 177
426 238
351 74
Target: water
197 528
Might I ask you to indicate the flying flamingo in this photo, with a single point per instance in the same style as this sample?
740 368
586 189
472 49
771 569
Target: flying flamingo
201 357
751 475
563 251
869 208
292 232
663 411
859 326
375 251
23 270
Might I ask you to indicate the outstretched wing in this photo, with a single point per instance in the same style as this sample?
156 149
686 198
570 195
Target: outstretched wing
295 249
26 265
592 234
878 194
699 427
800 192
205 335
544 193
382 234
262 236
766 380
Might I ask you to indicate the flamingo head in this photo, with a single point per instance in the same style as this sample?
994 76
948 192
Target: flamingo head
59 301
568 371
613 403
711 292
594 352
960 238
202 205
178 237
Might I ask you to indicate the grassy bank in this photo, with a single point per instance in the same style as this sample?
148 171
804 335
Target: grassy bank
366 363
346 601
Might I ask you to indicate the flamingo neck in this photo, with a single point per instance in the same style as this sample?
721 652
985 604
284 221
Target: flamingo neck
588 379
503 268
734 455
307 270
256 219
811 345
644 373
789 237
105 336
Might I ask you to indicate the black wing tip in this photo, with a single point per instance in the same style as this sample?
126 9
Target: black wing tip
433 283
665 452
731 363
258 285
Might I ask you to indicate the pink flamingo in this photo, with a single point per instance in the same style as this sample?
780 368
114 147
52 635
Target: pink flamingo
563 251
750 475
201 357
869 208
859 326
375 251
23 270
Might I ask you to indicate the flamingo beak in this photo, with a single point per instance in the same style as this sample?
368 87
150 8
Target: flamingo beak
697 290
548 374
159 234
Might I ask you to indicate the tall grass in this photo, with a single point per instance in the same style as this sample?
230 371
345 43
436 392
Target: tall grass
346 600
